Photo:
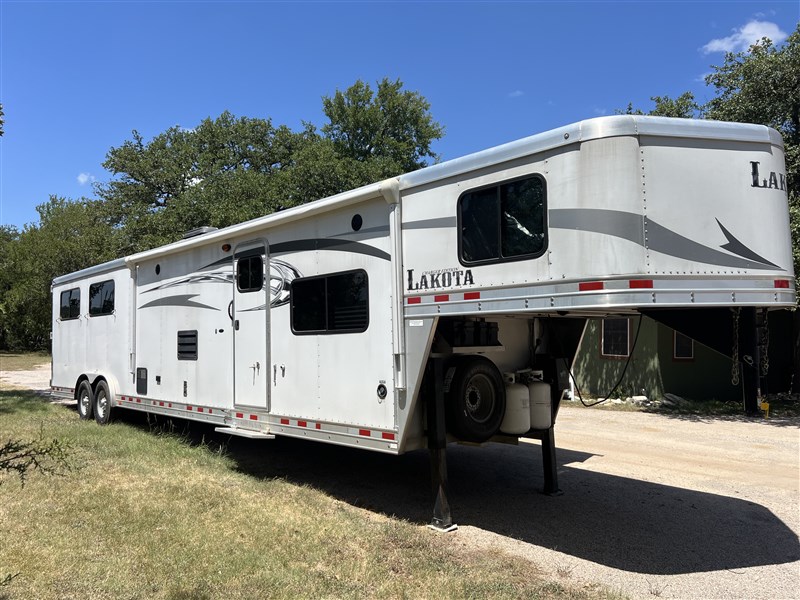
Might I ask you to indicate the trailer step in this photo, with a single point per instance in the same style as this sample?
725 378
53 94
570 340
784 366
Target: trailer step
253 435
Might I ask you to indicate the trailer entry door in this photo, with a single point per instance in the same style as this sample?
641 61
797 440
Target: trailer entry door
250 312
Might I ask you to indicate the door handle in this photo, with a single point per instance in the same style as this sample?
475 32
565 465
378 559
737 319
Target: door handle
236 324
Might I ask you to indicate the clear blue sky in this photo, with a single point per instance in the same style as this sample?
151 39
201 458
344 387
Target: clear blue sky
77 77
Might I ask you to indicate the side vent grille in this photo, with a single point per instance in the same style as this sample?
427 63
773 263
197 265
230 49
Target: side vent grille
187 345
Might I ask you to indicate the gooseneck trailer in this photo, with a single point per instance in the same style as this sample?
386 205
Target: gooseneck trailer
445 304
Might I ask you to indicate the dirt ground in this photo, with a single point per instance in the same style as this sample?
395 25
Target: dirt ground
653 505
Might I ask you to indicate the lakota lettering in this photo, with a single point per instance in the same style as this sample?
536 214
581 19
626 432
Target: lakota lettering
442 278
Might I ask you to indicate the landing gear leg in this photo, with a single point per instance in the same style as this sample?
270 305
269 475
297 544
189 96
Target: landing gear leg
437 445
549 463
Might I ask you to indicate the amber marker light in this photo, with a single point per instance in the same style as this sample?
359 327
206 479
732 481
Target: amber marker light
226 247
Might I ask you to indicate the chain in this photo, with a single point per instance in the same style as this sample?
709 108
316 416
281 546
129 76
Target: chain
765 347
735 349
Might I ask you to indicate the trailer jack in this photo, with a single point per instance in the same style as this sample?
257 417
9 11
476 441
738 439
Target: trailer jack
437 445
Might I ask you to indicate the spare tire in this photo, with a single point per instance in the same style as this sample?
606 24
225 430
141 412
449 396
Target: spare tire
476 399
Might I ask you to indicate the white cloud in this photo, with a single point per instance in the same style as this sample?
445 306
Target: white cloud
600 112
746 36
516 94
85 178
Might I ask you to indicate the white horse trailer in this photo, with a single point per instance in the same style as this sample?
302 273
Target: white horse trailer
442 305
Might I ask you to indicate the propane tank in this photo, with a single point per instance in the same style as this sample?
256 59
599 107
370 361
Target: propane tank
518 409
541 417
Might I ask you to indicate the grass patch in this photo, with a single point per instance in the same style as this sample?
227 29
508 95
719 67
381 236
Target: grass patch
24 361
150 514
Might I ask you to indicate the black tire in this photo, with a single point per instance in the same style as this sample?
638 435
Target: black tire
476 401
102 403
85 401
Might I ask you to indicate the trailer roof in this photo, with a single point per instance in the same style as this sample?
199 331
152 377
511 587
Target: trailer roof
590 129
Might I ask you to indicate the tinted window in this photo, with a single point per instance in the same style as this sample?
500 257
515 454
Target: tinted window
101 298
70 304
335 303
615 341
250 274
503 222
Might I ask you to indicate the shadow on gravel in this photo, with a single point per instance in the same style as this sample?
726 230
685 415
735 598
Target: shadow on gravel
623 523
775 421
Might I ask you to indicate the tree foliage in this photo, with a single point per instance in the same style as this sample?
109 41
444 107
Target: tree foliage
684 106
390 126
70 235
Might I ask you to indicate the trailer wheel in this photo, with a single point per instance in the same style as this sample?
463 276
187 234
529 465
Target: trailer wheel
85 400
102 403
476 401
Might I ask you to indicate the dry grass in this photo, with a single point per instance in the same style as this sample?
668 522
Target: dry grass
10 361
146 514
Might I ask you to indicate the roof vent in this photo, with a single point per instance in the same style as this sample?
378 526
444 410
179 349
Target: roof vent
198 231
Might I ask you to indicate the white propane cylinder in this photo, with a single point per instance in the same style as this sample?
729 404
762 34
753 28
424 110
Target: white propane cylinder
540 405
518 409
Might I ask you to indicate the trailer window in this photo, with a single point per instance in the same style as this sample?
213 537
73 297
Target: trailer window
101 298
502 223
336 303
250 274
70 304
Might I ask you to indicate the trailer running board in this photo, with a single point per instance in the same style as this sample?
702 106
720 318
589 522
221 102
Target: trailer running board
246 433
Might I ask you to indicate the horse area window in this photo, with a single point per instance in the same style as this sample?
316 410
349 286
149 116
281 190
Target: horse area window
101 298
70 304
503 222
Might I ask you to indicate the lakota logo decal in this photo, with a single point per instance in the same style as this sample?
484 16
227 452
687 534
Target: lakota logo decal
440 278
776 181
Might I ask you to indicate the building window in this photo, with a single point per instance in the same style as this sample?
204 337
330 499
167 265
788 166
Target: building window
101 298
682 346
337 303
250 274
502 223
70 304
615 339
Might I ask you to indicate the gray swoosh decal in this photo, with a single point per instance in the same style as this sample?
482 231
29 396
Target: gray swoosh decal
625 225
431 223
181 300
365 234
327 244
630 226
737 247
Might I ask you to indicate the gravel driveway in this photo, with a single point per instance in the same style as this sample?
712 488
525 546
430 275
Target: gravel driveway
653 505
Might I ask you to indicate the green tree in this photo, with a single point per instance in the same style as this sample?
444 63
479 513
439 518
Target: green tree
69 236
684 106
2 120
391 126
8 236
215 174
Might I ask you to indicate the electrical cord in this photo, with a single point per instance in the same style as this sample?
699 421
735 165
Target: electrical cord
621 377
